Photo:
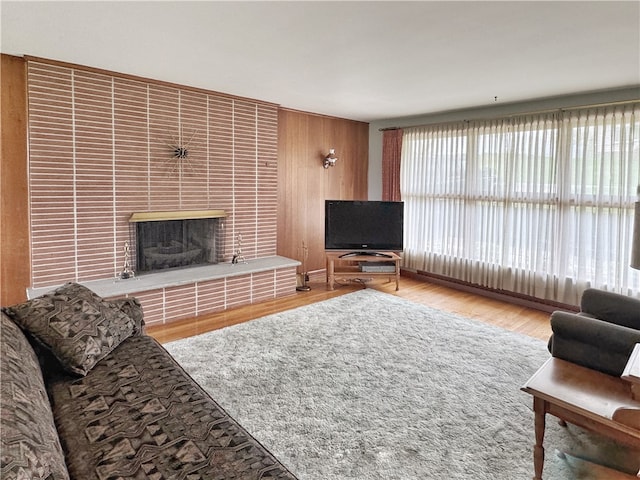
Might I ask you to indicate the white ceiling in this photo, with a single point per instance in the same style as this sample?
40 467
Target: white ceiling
363 60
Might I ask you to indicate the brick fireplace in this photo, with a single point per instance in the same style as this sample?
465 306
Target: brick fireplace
102 145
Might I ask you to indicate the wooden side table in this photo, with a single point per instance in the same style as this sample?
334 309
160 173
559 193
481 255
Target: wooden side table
583 397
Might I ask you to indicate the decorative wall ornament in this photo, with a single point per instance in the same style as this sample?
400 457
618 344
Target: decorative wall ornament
180 148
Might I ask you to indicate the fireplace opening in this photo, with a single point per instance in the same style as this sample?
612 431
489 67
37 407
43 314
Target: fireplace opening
176 243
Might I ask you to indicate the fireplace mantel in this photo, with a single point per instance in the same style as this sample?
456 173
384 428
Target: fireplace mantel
175 215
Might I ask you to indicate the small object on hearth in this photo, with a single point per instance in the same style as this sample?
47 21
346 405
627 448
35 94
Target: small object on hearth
238 257
127 271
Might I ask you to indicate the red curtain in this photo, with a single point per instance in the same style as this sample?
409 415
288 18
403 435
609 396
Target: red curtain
391 149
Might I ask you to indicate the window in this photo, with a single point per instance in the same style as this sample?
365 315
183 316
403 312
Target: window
540 205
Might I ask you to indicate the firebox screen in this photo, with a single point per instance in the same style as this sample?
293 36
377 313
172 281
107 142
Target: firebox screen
174 244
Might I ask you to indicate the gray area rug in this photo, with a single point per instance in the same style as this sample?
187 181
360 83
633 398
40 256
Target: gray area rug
372 386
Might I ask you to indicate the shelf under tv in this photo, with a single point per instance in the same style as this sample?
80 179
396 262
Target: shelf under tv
341 266
365 254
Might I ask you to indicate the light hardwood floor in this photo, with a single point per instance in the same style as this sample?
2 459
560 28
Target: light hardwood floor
528 321
507 315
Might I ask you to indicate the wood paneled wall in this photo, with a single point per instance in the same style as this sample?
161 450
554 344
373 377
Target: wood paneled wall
15 266
304 139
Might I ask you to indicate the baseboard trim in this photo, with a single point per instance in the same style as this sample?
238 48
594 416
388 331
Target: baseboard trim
502 295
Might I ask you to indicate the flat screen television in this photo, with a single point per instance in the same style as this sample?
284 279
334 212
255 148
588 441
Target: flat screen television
365 227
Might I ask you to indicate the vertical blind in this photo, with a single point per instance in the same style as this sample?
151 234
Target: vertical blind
540 205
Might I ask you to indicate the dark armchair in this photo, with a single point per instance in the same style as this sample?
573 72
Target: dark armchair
601 336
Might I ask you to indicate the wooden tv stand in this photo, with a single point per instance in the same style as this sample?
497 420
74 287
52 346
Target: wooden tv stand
345 265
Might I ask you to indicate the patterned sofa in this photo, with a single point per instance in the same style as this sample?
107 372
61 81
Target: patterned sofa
86 395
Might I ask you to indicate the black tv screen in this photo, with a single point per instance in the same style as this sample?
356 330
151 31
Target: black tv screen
366 226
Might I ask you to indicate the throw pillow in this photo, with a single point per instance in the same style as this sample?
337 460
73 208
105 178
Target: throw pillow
75 324
131 307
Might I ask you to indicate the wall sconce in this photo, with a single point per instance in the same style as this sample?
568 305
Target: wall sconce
331 159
